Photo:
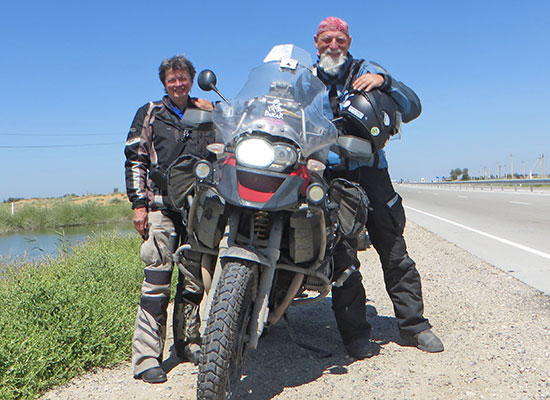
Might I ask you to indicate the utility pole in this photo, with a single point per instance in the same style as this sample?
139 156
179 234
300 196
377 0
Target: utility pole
540 159
511 167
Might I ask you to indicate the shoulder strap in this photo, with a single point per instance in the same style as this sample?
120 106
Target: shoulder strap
353 71
333 95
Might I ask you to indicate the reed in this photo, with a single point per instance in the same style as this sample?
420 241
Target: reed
66 315
40 214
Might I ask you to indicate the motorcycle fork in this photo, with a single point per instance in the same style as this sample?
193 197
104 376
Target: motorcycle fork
266 258
261 304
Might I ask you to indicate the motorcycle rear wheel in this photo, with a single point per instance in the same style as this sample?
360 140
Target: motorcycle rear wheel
223 345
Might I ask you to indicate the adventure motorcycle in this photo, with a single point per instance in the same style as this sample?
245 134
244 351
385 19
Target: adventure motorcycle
262 220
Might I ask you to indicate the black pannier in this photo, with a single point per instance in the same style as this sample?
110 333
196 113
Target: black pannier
353 205
180 179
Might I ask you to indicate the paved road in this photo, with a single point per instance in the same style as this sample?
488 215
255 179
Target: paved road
508 229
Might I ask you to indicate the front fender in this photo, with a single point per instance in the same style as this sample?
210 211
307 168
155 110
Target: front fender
254 256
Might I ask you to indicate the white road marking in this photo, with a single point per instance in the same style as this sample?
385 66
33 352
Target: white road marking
463 197
505 241
522 203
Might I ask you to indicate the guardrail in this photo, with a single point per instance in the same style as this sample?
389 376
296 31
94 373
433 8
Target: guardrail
492 183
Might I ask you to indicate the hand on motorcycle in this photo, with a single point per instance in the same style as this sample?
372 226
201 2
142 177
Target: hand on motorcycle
202 104
140 220
368 82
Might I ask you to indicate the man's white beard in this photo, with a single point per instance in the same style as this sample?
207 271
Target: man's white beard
330 65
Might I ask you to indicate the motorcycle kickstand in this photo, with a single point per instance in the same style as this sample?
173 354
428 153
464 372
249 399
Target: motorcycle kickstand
322 353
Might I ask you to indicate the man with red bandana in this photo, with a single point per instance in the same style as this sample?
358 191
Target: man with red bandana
386 221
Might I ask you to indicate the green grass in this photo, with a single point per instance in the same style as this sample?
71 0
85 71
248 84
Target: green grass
54 213
65 316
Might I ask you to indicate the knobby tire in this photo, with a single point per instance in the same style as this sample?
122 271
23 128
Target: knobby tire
223 348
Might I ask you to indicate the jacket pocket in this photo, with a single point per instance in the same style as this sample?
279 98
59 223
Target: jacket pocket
151 251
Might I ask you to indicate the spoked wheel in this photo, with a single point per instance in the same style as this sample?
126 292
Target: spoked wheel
224 344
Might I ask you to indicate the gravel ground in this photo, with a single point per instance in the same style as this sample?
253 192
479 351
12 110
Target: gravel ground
496 332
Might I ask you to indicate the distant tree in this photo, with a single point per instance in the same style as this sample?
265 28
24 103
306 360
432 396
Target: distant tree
13 199
455 173
458 173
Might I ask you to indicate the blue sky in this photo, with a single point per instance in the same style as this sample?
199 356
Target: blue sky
74 73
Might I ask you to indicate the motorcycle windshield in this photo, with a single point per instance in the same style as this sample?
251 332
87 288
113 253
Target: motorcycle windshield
282 98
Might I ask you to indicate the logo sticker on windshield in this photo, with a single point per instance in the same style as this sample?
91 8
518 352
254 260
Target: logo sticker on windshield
274 110
289 63
375 131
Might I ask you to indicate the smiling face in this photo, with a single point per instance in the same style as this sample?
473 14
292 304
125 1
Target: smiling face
178 84
333 43
333 49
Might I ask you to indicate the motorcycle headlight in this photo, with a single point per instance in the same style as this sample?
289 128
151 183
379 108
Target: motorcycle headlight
260 153
316 193
285 155
255 152
203 169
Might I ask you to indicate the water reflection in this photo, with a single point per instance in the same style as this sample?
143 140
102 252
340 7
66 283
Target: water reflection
34 245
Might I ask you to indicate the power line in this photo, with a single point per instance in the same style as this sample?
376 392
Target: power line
60 145
61 134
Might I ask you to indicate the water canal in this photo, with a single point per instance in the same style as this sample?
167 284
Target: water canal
33 245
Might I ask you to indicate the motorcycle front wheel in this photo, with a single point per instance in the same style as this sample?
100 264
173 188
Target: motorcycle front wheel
223 345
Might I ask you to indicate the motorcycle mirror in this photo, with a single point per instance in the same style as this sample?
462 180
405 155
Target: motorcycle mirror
207 81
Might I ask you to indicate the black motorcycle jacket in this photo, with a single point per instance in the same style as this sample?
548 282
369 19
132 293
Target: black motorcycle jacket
155 133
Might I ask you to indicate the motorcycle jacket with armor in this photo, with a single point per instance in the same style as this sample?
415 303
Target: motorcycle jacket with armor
407 100
156 132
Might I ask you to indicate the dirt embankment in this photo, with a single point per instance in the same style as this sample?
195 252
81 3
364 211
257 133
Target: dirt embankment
496 332
96 198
